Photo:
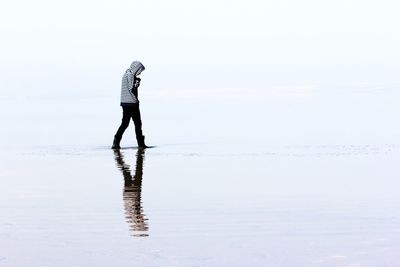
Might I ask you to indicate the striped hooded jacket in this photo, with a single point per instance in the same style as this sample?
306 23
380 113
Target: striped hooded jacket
128 82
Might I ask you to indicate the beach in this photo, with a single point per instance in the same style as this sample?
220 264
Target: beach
277 180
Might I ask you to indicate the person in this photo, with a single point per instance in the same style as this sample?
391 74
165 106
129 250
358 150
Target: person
130 104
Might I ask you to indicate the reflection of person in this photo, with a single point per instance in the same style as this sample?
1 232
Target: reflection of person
132 192
130 104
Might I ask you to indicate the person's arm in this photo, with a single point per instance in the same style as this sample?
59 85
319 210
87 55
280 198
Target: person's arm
131 81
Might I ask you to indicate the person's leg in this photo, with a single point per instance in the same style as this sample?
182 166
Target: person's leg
126 116
138 126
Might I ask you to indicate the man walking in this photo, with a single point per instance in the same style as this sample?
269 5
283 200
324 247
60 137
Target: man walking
130 104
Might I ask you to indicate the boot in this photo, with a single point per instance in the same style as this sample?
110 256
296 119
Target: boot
116 143
141 143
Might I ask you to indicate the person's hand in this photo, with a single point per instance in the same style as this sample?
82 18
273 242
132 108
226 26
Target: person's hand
137 82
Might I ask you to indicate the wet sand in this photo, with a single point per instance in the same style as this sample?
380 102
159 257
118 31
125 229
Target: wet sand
193 205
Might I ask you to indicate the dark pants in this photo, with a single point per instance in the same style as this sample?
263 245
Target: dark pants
129 112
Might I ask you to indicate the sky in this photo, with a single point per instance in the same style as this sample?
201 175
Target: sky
64 46
320 65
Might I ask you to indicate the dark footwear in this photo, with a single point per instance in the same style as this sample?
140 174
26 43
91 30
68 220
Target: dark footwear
141 143
116 143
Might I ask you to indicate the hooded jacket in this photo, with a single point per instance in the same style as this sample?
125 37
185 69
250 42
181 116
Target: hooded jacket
128 82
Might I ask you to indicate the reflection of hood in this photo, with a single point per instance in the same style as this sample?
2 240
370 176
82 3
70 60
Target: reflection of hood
136 68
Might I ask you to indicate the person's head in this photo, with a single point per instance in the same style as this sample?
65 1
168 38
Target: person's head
136 68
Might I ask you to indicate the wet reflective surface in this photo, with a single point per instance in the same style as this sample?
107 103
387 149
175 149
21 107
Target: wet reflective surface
200 205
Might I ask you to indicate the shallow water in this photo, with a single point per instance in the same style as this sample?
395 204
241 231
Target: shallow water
303 180
192 205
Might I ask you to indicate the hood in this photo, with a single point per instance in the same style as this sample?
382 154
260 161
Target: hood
136 68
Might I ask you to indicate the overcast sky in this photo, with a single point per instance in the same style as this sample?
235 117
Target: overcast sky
47 40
